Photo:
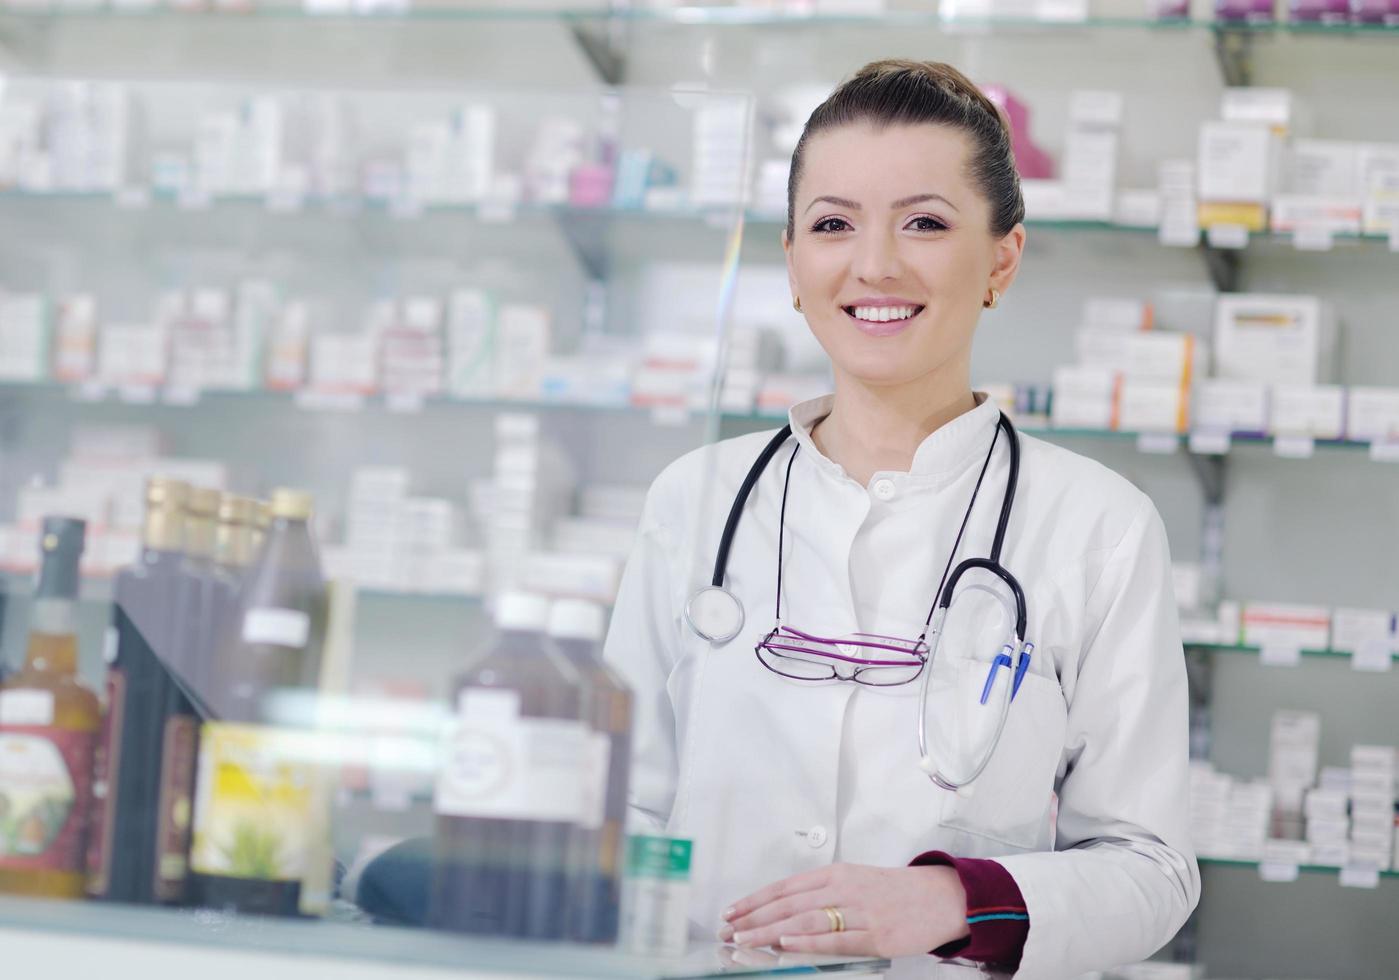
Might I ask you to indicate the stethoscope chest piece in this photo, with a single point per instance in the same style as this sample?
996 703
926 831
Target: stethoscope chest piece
715 614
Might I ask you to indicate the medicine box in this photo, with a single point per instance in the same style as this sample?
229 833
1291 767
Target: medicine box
1277 339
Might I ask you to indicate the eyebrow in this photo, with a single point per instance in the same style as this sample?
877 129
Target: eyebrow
903 202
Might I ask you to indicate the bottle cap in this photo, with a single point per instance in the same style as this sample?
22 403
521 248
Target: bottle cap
162 491
521 611
576 619
290 504
61 545
203 502
234 509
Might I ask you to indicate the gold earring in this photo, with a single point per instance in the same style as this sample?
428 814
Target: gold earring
797 303
994 301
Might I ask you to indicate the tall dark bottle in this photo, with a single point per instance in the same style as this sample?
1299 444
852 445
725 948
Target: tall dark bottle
234 544
48 729
255 807
510 791
146 751
576 628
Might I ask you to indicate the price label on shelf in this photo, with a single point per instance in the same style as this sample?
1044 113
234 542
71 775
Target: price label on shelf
1280 654
132 198
195 199
312 400
1375 655
1209 443
670 416
1295 447
90 391
496 212
1227 236
1362 877
286 200
182 395
1179 232
1158 443
137 394
1277 871
404 402
1385 451
1313 238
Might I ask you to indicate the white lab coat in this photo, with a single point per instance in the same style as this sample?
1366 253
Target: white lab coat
770 777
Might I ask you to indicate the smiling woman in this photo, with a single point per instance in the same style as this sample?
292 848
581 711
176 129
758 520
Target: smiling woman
1023 803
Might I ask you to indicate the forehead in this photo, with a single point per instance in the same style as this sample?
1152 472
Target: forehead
892 160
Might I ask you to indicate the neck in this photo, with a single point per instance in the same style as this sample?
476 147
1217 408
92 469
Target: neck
873 429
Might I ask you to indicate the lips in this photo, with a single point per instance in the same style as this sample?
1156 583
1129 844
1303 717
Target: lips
883 319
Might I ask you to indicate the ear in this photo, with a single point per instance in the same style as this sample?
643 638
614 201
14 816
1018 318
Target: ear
1006 265
791 274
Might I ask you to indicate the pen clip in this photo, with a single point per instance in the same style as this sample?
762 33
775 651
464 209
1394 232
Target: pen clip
1021 667
1002 660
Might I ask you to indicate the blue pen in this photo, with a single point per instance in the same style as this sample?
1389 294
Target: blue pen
1021 667
1002 660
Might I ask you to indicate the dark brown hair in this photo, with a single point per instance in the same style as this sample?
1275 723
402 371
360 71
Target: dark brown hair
901 92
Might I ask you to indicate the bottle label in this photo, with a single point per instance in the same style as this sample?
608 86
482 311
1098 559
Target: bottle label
175 807
26 708
253 815
45 796
599 756
106 768
499 765
277 627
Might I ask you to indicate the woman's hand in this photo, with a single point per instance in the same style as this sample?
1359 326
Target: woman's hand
888 912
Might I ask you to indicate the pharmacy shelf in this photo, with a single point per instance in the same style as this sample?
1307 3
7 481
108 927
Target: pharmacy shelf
1303 868
1229 648
190 400
691 17
1149 442
97 590
586 228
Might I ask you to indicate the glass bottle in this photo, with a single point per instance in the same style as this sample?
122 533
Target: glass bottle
48 727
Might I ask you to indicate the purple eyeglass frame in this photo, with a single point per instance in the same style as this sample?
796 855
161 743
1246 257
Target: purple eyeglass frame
917 650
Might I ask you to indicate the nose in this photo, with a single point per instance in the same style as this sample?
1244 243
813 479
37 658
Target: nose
876 257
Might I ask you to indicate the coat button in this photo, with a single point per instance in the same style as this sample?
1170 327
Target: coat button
816 836
884 489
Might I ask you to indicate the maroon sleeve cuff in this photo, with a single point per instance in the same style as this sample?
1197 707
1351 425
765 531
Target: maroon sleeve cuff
996 912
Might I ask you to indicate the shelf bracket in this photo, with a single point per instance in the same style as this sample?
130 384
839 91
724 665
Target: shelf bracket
1209 470
587 235
1233 50
1225 267
603 42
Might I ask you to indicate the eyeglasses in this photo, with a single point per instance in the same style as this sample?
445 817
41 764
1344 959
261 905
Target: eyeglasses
865 658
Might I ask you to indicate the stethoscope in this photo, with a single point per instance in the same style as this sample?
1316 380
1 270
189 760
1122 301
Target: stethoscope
717 615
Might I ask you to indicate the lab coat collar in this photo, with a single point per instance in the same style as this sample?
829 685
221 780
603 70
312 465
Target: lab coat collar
940 458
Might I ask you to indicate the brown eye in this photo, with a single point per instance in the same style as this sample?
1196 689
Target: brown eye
829 226
925 223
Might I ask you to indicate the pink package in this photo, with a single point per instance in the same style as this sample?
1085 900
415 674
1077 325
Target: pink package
1375 12
1032 162
590 186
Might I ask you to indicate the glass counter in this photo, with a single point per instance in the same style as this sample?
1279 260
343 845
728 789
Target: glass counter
221 941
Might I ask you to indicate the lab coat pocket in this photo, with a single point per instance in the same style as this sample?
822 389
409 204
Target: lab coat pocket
1010 801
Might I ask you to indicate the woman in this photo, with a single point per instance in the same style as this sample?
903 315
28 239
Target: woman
795 762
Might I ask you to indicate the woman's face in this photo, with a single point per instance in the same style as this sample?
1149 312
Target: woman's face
892 254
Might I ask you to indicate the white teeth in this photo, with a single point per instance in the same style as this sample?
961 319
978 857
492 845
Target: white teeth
883 314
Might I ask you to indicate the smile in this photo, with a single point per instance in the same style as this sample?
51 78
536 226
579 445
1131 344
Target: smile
882 321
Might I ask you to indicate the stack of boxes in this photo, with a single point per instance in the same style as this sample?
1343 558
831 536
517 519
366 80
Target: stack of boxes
1328 826
412 350
1228 817
399 543
531 486
1239 157
1128 376
1372 806
24 336
1293 751
720 149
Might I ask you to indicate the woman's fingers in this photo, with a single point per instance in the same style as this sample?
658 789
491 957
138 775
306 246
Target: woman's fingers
849 943
782 908
795 885
809 922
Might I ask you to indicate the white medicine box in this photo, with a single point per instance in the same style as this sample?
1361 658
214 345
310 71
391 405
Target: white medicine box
1276 339
1238 162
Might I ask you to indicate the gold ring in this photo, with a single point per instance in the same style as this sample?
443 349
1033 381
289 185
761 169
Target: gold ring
837 919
